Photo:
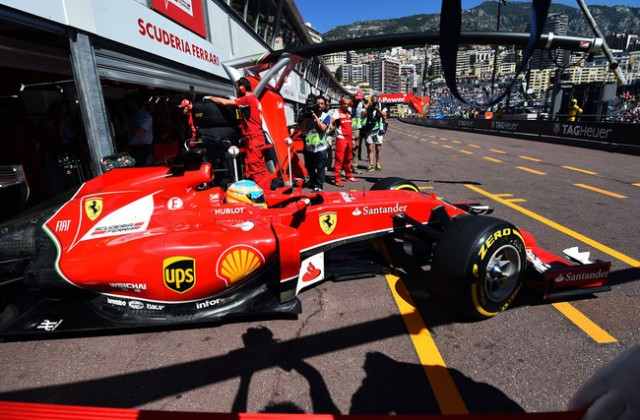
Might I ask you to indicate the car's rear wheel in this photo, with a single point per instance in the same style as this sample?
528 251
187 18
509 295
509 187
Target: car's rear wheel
478 264
395 183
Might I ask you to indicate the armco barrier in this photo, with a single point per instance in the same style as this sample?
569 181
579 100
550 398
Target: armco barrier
30 411
618 136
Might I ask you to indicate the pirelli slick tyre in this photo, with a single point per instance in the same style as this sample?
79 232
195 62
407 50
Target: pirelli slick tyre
395 184
480 262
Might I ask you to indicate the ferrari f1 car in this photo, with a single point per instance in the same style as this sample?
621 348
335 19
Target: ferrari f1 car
162 245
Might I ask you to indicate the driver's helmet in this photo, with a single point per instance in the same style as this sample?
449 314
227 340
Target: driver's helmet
246 192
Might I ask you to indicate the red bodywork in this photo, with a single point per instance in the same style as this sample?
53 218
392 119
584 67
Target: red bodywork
148 217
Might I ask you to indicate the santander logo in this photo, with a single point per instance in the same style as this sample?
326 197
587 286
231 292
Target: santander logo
585 276
312 273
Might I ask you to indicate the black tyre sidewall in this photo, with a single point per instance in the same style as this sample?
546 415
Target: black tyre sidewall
461 258
394 183
482 306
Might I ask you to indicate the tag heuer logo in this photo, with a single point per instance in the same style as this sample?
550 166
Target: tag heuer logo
93 208
179 273
328 222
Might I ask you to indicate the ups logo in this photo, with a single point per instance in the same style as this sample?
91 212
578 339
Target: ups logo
179 273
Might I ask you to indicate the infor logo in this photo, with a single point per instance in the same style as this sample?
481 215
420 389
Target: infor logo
179 273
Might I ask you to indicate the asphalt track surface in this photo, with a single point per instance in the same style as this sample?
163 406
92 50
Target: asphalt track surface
368 346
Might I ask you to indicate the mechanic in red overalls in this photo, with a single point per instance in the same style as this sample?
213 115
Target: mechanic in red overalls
341 120
250 113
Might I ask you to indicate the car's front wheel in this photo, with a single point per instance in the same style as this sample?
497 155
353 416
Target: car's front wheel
479 262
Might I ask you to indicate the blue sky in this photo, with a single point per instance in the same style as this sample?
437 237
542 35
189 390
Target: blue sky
326 14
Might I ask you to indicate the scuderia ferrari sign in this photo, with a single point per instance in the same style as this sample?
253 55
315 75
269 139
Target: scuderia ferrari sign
179 273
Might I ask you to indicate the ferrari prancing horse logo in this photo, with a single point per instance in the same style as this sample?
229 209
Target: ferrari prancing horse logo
93 208
328 222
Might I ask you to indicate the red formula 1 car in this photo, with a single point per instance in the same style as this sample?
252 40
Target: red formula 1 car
160 245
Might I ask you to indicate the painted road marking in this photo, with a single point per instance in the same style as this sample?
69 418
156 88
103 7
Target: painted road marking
557 226
508 197
434 142
532 159
600 191
592 329
444 138
531 171
444 388
490 159
502 152
475 146
457 141
425 187
446 146
466 152
584 171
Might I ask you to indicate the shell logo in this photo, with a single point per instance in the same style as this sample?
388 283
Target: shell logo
238 262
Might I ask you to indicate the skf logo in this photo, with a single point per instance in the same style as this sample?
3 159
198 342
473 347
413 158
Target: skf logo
179 273
93 208
238 263
328 222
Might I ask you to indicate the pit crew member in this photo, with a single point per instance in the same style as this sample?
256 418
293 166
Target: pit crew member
341 120
254 146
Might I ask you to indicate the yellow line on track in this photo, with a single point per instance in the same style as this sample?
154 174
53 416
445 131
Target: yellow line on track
444 388
475 146
592 329
490 159
503 195
502 152
531 171
584 171
557 226
532 159
516 200
466 152
425 187
600 191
